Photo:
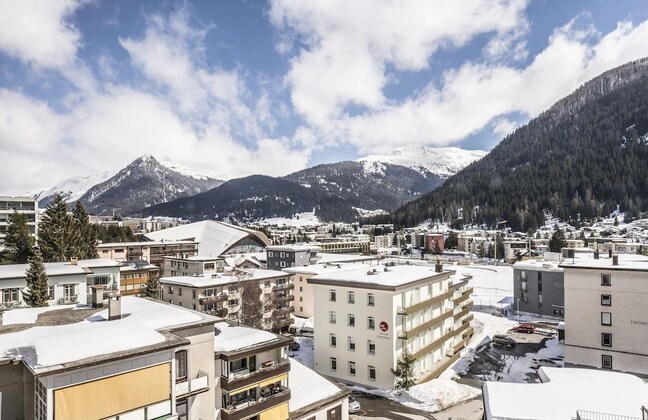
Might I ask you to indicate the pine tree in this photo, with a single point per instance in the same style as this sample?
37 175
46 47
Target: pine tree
36 294
57 235
437 248
152 286
19 244
557 241
86 235
404 372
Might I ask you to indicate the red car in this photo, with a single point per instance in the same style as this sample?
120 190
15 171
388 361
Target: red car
524 328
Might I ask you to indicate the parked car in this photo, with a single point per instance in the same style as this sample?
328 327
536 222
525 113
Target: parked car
524 328
537 362
354 406
293 346
503 340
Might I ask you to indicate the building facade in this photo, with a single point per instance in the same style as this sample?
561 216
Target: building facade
606 313
192 266
282 256
539 288
24 205
134 275
153 252
367 318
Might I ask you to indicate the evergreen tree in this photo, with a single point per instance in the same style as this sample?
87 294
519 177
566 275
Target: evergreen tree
437 248
57 235
452 241
557 241
152 287
19 244
86 235
404 372
36 293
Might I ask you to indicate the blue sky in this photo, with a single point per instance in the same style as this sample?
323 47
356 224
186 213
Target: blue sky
238 87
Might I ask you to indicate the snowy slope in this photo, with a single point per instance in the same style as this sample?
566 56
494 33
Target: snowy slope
183 170
443 161
73 188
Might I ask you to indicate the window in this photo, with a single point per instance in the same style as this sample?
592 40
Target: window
352 368
301 309
170 290
351 298
371 323
606 279
282 264
267 283
606 361
332 295
539 282
606 339
332 317
333 340
232 302
10 295
208 266
181 364
282 255
351 320
372 373
270 254
193 293
301 289
301 298
371 299
351 344
50 292
333 363
606 318
69 291
606 300
371 347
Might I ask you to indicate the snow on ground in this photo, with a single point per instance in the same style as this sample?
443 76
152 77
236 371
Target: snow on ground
298 220
369 213
306 353
492 285
29 315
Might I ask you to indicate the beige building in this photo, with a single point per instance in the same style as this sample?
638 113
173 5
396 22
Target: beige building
606 312
192 266
134 275
139 359
24 205
261 298
368 316
153 252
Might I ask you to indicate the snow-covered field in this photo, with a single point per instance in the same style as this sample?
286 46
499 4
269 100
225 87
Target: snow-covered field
306 353
492 285
298 220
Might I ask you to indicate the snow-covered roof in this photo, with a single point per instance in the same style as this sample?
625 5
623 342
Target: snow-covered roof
294 248
147 243
219 279
308 387
563 392
325 268
626 262
98 263
378 276
215 237
538 266
14 271
233 338
46 348
325 257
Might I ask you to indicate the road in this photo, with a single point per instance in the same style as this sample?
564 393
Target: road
378 408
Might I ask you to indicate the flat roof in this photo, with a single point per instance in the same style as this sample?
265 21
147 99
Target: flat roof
240 338
295 248
552 266
16 271
627 262
563 392
308 388
379 276
219 279
146 243
194 258
326 268
145 324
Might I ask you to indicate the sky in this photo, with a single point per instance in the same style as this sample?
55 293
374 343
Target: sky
240 87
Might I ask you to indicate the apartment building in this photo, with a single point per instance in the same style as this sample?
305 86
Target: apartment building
25 205
68 282
334 246
138 359
259 381
606 312
153 252
192 266
539 288
367 317
282 256
134 275
233 295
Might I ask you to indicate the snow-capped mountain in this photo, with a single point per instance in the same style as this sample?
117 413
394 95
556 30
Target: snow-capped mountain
441 161
72 188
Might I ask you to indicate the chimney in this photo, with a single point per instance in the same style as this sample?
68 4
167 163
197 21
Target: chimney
438 267
74 261
615 260
596 255
114 308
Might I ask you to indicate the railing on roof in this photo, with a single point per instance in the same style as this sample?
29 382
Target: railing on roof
594 415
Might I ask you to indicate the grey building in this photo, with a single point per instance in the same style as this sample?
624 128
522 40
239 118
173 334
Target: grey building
25 205
539 288
282 256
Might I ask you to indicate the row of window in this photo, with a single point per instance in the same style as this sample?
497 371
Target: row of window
371 321
371 370
13 295
351 344
371 299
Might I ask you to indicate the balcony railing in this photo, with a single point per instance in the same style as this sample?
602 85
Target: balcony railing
287 286
193 386
410 309
284 310
284 322
433 345
244 377
285 298
221 297
245 409
593 415
433 323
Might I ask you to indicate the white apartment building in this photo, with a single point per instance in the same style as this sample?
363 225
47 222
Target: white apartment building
367 316
606 312
153 252
24 205
192 266
68 282
223 294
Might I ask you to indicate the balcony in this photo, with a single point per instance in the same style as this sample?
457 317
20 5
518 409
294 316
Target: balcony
287 286
285 298
433 345
221 297
247 409
433 323
464 296
244 377
283 311
280 323
193 386
465 311
410 309
459 284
